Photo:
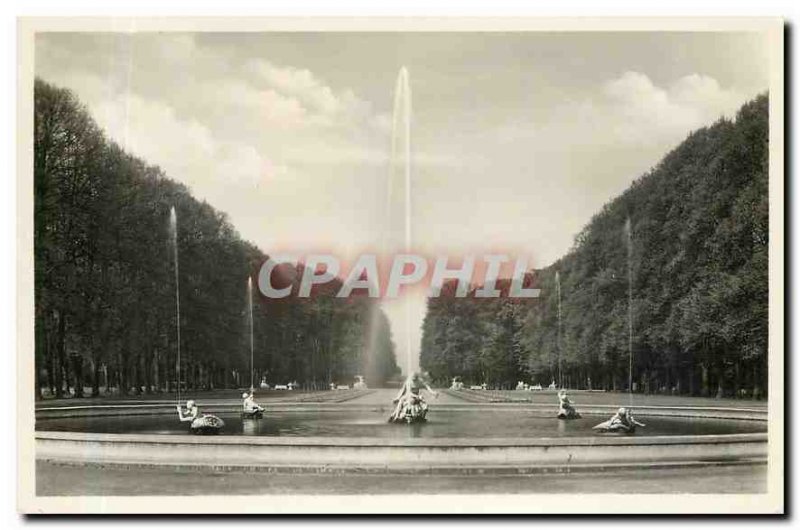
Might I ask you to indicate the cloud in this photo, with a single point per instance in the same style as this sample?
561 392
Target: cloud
638 111
297 83
215 97
628 112
192 154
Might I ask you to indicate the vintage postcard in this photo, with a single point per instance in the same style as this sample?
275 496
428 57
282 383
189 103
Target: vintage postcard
401 265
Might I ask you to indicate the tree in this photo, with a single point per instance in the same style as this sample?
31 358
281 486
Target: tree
104 280
699 262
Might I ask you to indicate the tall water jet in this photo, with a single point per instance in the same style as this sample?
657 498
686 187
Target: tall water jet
173 229
558 329
401 160
629 241
250 320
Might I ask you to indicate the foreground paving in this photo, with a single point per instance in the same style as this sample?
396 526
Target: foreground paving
55 479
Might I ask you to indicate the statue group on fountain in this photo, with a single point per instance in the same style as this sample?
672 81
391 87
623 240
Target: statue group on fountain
565 409
199 423
360 383
621 422
522 385
251 409
410 406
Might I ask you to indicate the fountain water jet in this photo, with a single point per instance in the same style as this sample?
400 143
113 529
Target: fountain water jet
401 154
630 308
173 227
396 232
558 330
250 319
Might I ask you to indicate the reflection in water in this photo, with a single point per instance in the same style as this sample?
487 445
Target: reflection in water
250 426
415 430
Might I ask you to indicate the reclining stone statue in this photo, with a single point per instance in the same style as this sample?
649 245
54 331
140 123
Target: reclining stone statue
621 422
200 423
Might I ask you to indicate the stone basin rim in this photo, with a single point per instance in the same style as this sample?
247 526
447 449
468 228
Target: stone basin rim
497 470
315 441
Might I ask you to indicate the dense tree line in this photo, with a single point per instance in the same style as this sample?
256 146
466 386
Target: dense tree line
699 285
105 286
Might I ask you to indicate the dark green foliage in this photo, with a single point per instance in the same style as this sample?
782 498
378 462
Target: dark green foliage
699 282
104 280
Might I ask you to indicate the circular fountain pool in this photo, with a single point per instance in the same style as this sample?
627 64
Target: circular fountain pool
356 437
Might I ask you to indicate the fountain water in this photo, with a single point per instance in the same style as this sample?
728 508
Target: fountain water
558 330
628 235
250 320
396 230
173 227
401 160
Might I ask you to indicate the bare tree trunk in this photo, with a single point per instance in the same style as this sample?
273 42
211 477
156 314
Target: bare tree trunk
95 378
51 378
705 389
60 347
155 371
137 374
756 385
147 367
77 372
40 357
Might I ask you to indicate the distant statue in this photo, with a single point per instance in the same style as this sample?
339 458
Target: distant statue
552 385
565 409
264 384
200 423
410 407
521 385
360 384
455 384
621 422
250 408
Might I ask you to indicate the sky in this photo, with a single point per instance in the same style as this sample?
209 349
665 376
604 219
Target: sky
517 139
